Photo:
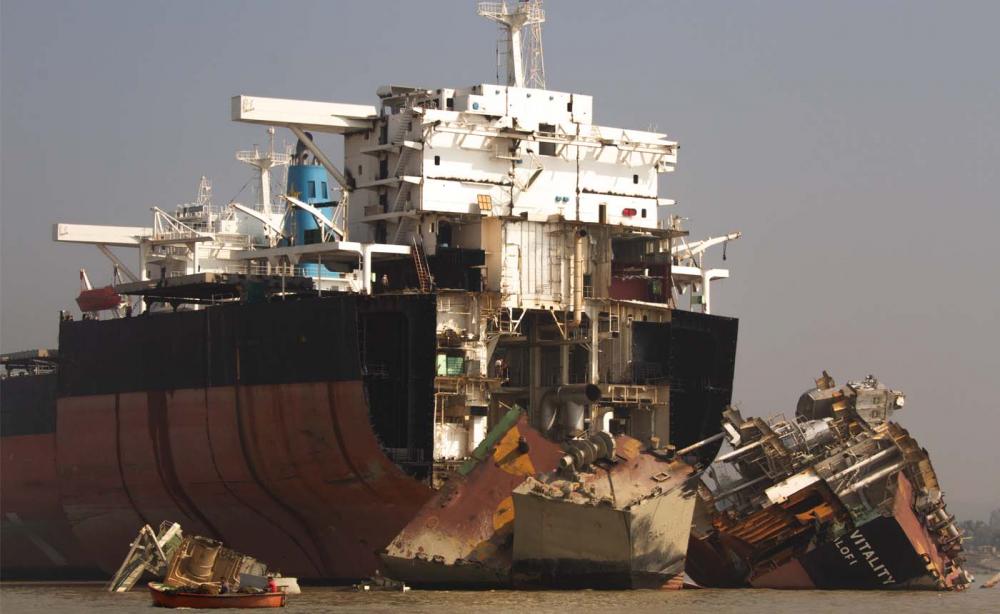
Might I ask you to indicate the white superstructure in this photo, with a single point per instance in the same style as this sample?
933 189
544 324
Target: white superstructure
542 233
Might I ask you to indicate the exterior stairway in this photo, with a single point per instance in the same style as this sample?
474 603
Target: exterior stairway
420 263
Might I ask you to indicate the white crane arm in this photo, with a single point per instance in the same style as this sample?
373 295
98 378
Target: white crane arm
118 262
316 213
260 217
690 250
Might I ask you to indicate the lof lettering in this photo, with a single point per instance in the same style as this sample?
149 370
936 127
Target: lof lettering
865 551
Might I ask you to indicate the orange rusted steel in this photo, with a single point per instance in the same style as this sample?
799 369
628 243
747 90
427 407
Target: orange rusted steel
463 535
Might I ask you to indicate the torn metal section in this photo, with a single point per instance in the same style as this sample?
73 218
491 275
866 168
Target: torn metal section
462 537
838 497
620 523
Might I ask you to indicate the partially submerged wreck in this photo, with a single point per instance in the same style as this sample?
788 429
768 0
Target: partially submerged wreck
192 562
838 497
462 537
619 519
597 512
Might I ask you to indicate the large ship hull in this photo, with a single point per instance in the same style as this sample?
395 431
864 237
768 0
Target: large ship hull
249 424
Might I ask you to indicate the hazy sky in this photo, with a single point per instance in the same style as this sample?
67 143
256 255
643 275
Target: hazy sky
856 145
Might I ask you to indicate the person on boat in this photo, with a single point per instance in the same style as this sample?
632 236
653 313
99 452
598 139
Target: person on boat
272 586
224 588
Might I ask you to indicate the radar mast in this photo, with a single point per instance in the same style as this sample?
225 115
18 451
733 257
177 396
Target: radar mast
512 19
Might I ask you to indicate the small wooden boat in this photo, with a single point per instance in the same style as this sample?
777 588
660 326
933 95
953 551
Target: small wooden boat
168 597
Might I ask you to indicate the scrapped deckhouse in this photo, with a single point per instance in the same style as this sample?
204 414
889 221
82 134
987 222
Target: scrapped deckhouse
541 233
484 272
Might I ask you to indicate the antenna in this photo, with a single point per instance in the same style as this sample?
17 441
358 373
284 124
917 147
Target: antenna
204 192
512 19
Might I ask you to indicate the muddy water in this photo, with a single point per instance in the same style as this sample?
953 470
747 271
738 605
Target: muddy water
59 598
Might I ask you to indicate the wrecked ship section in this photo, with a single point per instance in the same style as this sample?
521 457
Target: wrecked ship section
596 512
462 537
325 359
615 516
838 497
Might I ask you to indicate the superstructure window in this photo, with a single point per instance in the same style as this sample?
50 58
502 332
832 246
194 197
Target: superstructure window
326 194
312 189
547 149
437 160
635 179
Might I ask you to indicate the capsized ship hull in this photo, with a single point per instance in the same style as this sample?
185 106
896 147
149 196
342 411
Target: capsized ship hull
249 424
888 552
840 498
892 551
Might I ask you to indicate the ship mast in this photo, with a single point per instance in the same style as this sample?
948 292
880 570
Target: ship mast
522 14
264 162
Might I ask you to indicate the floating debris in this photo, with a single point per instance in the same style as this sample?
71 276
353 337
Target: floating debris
992 581
378 582
191 564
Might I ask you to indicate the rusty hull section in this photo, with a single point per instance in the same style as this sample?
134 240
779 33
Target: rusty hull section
248 424
517 516
463 536
622 524
290 472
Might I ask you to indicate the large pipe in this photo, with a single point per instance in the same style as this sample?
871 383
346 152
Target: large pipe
698 444
871 459
739 451
581 241
739 487
873 477
578 393
572 397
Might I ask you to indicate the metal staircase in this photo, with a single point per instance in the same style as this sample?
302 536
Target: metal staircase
405 228
420 263
406 225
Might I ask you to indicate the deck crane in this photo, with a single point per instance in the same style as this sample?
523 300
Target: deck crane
688 251
274 231
321 219
688 270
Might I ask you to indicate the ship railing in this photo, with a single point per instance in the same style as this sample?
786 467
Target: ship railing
281 270
195 212
533 12
176 235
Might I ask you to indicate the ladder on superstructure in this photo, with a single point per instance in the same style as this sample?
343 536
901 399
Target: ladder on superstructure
420 263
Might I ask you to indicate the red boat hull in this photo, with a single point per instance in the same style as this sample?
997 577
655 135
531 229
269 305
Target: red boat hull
98 299
166 599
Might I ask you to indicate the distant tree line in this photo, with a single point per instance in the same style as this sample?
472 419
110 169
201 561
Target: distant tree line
979 533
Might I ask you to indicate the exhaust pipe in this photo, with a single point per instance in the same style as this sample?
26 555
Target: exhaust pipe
581 246
572 398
